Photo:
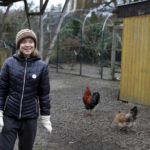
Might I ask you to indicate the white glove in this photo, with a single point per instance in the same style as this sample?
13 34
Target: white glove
45 120
1 121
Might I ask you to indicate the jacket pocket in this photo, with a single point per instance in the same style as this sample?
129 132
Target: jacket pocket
6 102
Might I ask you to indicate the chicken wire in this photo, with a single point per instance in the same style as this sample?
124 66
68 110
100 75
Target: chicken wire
73 60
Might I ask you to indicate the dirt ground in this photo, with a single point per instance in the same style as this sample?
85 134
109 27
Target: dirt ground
89 70
73 130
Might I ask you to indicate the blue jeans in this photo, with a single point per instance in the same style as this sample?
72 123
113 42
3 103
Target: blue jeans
24 128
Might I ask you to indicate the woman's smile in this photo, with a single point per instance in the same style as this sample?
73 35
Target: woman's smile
27 46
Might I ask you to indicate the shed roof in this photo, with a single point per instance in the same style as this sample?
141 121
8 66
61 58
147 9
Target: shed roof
7 2
134 9
42 9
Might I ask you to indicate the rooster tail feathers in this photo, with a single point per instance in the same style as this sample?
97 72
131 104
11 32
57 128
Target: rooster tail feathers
96 94
95 97
134 111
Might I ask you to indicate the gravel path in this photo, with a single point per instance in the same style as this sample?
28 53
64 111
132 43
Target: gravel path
73 130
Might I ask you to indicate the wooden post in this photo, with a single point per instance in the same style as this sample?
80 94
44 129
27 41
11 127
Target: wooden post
27 13
114 48
41 31
113 53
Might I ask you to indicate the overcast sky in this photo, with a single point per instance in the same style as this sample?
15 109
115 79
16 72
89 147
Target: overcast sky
18 5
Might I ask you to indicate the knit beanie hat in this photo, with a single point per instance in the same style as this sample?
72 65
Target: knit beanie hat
25 33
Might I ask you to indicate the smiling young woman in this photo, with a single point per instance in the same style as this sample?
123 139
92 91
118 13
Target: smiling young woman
24 88
27 47
26 41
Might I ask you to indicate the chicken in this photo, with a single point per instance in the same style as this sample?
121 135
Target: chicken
90 100
126 121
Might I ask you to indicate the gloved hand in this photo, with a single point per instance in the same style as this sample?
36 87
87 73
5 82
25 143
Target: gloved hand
1 121
45 120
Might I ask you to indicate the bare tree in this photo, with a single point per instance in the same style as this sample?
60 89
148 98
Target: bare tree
52 44
4 18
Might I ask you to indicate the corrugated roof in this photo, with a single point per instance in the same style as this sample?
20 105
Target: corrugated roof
134 9
133 3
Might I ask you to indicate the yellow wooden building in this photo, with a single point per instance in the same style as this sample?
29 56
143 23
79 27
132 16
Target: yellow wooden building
135 65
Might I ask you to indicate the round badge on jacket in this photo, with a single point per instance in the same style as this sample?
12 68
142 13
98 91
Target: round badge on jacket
34 76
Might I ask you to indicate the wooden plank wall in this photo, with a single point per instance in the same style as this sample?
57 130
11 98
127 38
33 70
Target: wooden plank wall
135 66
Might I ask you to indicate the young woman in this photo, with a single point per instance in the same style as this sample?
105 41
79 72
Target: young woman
24 90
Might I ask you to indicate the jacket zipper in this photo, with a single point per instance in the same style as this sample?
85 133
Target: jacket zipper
25 70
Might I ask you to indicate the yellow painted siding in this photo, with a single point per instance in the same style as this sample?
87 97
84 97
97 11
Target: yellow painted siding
135 66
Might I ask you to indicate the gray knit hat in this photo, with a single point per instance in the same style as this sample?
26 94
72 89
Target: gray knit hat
25 33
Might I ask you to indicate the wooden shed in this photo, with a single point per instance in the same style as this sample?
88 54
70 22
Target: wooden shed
135 65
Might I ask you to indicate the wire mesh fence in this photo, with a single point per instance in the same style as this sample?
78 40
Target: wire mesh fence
84 55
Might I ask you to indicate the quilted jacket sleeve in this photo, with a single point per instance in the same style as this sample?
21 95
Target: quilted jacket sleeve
4 84
44 91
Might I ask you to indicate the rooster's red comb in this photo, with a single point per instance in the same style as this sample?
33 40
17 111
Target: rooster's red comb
88 86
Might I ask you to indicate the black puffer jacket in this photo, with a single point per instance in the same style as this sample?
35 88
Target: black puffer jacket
24 85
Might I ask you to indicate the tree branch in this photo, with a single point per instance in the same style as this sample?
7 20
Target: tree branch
4 18
27 12
52 44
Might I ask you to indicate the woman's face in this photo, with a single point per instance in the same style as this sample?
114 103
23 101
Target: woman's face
27 46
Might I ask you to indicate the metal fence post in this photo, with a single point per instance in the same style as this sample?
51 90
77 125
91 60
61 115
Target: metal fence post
81 56
102 55
57 53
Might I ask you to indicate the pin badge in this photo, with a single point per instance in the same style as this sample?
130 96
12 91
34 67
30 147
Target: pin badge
34 76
